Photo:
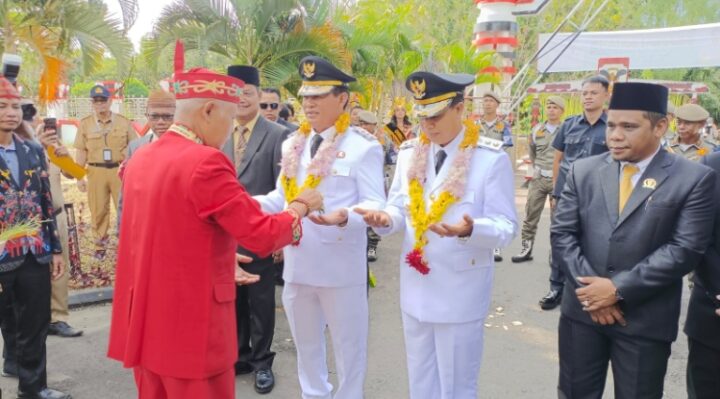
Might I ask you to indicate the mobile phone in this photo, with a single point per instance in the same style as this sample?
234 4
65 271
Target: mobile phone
50 123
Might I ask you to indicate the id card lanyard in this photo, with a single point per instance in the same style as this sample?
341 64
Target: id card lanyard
107 152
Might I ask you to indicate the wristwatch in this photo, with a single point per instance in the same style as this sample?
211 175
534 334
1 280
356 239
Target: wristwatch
618 297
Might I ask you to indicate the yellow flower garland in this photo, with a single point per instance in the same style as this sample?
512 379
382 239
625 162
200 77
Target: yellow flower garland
420 219
289 183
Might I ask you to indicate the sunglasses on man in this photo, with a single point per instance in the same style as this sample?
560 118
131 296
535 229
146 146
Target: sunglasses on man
272 106
157 117
99 100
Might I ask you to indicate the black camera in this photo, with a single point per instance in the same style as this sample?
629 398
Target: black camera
11 66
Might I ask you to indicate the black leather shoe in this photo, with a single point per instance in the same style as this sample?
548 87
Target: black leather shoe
264 381
242 368
551 300
46 393
62 329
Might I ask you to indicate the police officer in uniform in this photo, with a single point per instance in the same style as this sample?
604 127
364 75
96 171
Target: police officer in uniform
492 127
446 284
542 155
101 143
689 143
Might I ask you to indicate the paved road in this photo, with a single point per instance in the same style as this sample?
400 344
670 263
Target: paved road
520 360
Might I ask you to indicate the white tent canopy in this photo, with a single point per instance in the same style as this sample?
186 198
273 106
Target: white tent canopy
682 47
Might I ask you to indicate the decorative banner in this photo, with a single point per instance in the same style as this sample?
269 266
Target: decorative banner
681 47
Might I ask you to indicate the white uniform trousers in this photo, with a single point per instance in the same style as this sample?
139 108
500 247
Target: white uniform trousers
344 310
443 358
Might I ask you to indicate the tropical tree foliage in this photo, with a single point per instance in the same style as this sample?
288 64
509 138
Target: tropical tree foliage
272 35
57 31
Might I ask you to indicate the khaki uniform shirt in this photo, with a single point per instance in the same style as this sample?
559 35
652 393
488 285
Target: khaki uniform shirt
96 137
692 152
542 153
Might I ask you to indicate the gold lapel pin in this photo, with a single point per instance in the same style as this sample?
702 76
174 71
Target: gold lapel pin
649 183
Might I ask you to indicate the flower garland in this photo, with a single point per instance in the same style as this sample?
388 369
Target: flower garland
453 188
321 164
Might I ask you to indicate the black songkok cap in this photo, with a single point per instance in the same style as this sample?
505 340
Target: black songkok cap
634 96
248 74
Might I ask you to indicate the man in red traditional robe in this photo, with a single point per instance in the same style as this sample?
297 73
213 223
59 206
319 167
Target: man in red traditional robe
184 214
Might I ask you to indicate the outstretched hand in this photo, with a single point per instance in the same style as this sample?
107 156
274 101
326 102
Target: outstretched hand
334 218
462 229
241 276
377 219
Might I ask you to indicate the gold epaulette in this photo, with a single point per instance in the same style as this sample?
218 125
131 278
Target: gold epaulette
365 134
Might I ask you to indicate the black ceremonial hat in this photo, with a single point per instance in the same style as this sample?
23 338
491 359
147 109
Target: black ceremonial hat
433 92
635 96
248 74
320 76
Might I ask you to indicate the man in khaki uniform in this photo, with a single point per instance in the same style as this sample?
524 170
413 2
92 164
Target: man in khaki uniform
101 143
689 142
492 127
542 155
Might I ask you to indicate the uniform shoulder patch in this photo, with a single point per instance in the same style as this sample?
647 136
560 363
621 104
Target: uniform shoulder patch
364 134
492 144
408 144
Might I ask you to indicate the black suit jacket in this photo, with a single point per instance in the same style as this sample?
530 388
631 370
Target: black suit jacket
702 323
659 237
260 167
291 126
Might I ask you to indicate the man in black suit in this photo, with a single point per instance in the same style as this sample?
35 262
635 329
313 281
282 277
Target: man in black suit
703 319
255 148
628 227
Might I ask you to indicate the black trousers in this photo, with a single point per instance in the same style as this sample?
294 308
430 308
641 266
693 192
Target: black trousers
255 310
638 364
24 320
703 371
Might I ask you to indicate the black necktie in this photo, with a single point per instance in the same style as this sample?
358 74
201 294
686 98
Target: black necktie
316 141
439 160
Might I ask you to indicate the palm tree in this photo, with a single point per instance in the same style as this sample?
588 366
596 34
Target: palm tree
58 30
272 35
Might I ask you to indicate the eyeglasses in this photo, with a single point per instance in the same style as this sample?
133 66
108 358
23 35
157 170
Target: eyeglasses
157 117
272 106
99 100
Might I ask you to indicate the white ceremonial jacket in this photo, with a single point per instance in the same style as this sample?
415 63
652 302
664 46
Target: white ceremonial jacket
459 285
331 256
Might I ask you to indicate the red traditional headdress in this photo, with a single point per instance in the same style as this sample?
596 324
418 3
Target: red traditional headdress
203 83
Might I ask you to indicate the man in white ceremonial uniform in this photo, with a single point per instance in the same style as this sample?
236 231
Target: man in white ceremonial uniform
325 275
446 271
